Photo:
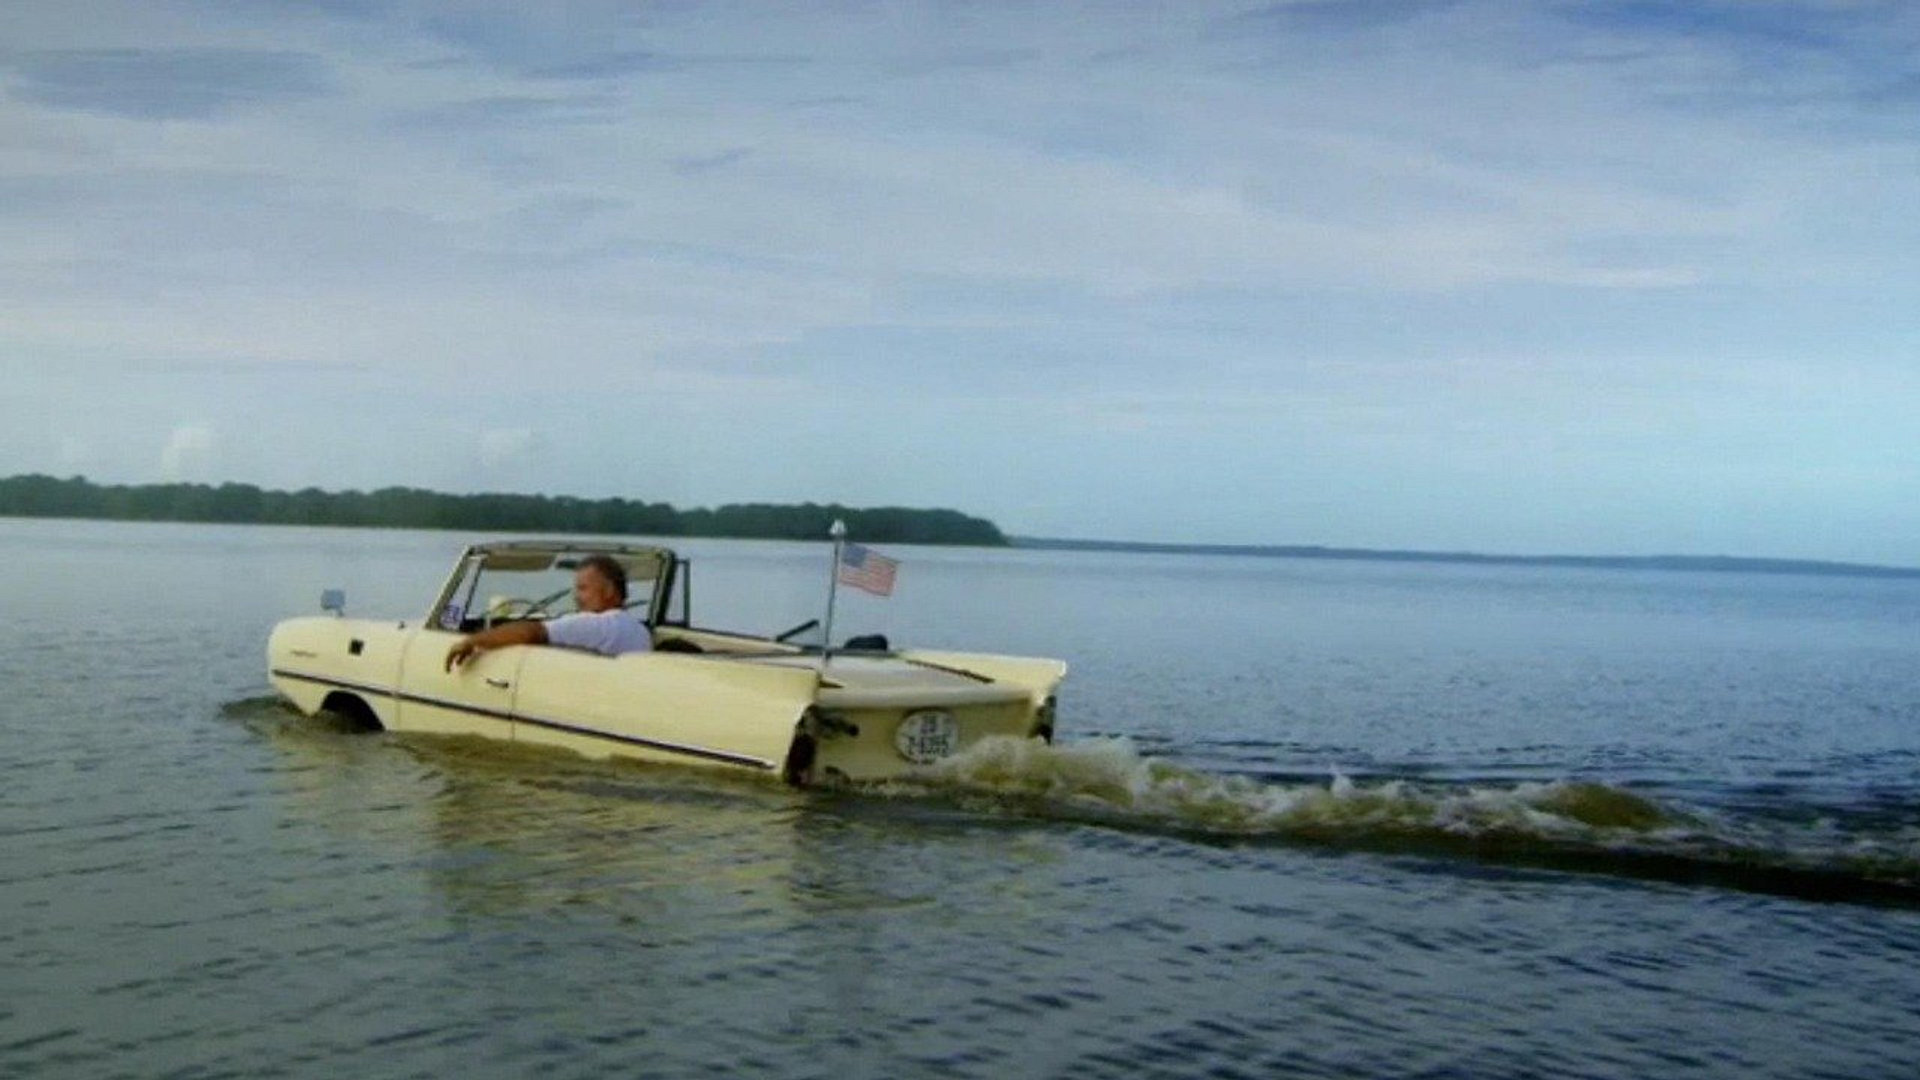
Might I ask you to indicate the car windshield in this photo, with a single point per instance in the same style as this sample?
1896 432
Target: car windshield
504 584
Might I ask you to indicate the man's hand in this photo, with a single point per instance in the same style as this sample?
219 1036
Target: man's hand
499 637
463 650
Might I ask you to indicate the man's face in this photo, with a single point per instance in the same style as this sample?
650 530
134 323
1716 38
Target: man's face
592 592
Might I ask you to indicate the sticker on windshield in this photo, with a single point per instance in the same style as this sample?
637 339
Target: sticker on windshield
450 617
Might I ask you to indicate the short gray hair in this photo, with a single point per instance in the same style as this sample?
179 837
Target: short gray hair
608 567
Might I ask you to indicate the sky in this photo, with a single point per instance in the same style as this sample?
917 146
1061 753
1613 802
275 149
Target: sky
1522 277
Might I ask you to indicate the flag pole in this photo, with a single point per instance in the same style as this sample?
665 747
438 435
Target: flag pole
839 534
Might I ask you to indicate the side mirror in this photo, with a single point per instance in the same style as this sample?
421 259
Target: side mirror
334 600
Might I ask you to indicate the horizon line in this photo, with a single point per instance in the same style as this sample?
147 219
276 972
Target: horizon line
1709 563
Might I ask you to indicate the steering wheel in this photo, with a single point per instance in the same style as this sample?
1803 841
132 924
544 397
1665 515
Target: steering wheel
509 610
504 611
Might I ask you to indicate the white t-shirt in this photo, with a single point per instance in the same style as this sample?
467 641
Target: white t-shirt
608 633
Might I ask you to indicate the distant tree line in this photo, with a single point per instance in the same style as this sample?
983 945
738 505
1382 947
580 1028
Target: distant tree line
413 508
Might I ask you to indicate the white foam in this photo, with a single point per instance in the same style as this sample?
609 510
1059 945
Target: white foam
1111 776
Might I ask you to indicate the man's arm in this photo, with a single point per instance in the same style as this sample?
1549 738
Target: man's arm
513 633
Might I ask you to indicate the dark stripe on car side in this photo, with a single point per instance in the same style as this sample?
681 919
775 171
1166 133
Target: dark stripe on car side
519 718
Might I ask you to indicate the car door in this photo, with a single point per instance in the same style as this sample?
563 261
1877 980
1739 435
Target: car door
660 706
473 699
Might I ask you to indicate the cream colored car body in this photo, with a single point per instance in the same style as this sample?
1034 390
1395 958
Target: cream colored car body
740 701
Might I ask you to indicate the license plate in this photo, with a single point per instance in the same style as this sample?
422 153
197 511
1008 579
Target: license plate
927 736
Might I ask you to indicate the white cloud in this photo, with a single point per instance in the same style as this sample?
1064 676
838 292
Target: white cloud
75 454
508 448
189 454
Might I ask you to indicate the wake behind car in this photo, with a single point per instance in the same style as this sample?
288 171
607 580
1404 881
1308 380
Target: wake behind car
702 696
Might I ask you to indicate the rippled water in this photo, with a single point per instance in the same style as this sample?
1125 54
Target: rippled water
1306 819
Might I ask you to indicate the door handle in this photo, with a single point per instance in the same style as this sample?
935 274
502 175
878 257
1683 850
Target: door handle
498 684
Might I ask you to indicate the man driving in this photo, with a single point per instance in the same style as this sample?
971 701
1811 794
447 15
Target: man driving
601 625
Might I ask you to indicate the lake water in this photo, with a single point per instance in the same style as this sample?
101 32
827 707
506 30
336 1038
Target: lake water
1319 819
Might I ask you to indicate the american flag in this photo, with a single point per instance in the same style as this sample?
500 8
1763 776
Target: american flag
865 568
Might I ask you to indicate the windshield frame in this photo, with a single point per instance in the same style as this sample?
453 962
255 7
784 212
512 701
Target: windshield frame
652 572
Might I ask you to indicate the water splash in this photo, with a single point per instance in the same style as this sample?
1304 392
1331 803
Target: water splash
1578 826
1112 775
